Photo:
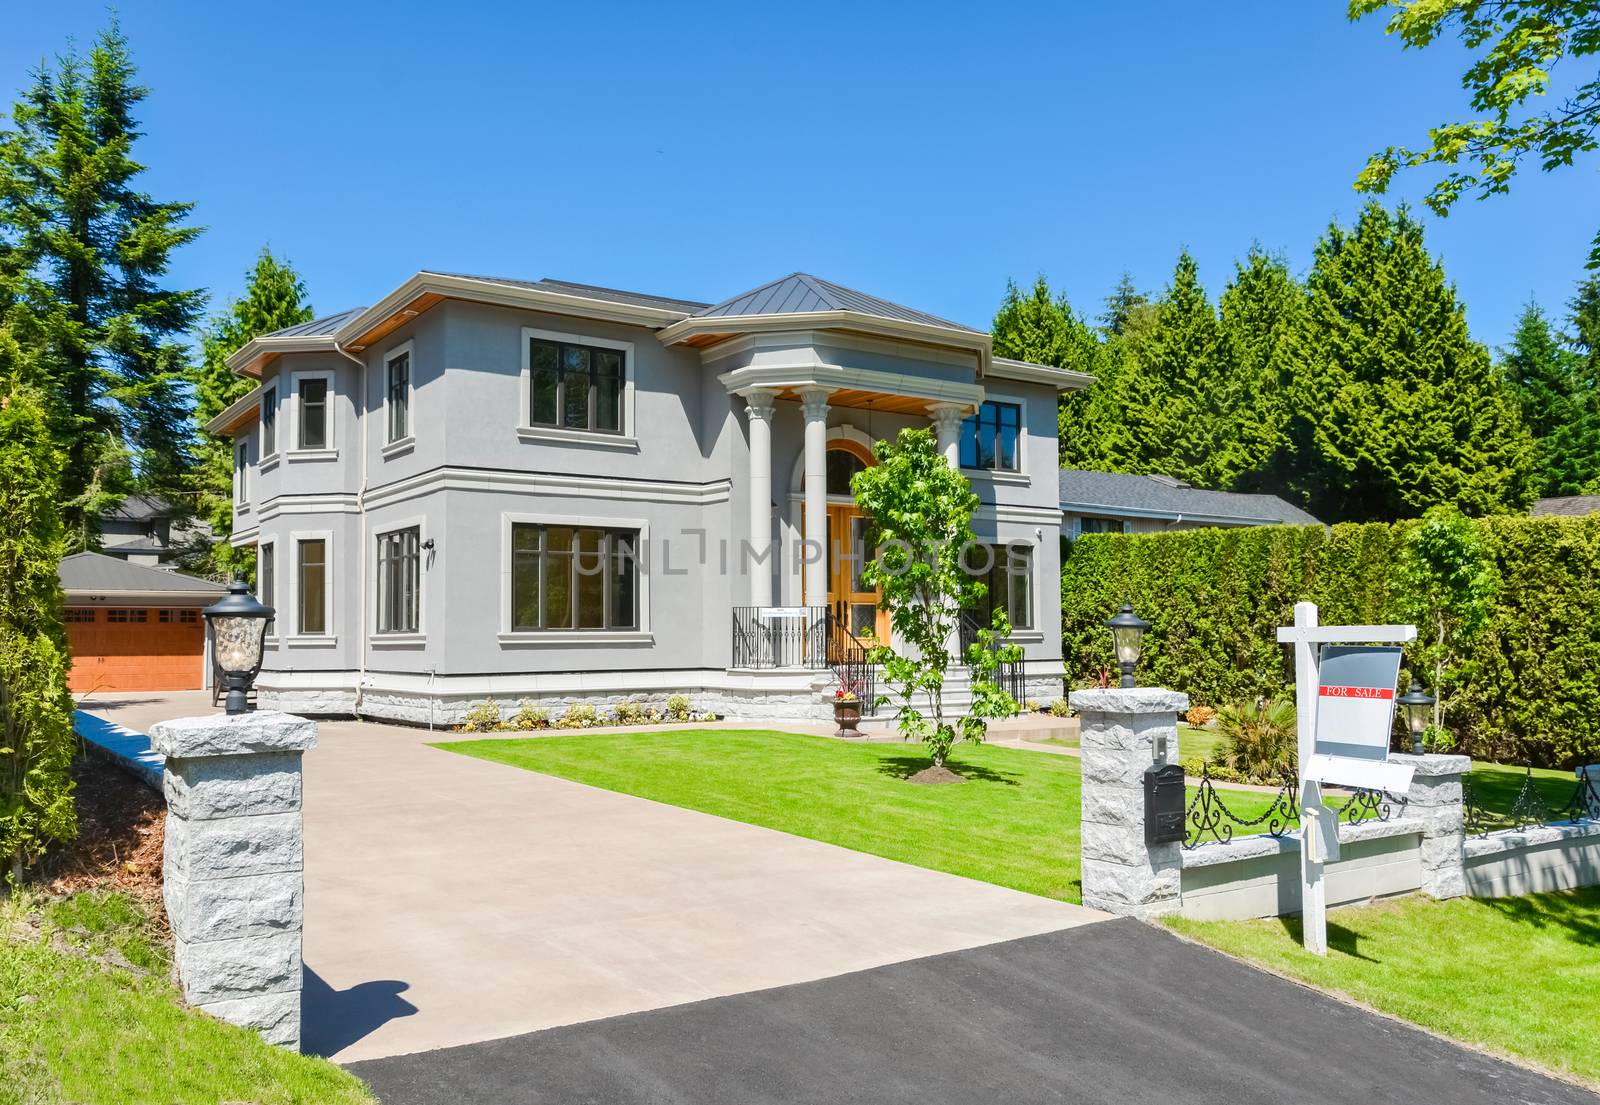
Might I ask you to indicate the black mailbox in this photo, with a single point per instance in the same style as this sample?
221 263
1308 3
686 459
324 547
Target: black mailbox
1163 804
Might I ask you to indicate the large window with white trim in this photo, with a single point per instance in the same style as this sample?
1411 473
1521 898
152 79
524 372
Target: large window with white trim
314 413
1007 573
989 437
399 580
573 577
575 387
312 584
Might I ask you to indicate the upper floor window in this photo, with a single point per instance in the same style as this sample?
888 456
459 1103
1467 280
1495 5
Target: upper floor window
989 437
399 371
567 577
314 413
241 455
575 387
269 422
399 580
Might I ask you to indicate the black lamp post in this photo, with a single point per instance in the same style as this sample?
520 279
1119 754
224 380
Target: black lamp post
1127 636
238 638
1418 705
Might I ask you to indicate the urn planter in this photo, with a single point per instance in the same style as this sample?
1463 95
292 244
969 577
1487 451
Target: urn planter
847 716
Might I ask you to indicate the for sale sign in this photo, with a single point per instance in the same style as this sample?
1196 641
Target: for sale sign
1355 715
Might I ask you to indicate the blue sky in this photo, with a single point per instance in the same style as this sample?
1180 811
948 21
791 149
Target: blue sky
922 152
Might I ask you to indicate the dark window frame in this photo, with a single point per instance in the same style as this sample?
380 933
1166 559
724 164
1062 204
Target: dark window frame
982 442
240 473
267 581
558 399
399 394
1001 581
269 422
321 406
399 579
547 561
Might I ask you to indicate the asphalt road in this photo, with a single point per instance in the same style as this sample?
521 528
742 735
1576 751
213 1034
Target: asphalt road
1117 1013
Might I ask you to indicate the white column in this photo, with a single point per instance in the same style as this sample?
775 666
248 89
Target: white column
814 407
1313 893
758 407
947 419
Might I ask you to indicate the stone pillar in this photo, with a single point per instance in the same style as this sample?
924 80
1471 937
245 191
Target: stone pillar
1435 799
814 407
759 406
1125 731
947 419
234 868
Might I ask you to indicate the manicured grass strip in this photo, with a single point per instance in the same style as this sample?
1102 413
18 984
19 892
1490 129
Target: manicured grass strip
76 1028
1013 823
1517 976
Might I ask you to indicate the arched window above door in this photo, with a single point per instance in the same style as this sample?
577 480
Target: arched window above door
842 464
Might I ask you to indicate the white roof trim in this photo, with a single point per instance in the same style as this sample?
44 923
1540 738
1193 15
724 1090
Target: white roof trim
1062 379
831 320
235 413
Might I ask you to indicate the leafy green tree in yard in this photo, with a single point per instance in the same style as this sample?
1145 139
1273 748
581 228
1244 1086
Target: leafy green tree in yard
275 297
1448 586
1395 407
1516 49
97 248
1559 403
921 515
36 739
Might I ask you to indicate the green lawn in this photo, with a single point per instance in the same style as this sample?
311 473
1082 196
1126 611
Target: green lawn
93 1020
1518 976
1014 822
1497 786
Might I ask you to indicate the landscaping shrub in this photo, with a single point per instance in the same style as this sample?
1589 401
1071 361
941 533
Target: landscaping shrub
1059 708
630 712
1199 716
1527 689
528 717
678 707
579 715
1258 740
482 718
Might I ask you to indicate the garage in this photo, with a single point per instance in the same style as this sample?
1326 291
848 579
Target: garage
134 628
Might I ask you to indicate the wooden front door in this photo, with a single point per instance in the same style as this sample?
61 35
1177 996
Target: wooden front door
853 604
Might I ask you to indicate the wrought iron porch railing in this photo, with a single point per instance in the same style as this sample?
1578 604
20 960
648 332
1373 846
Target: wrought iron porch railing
1529 808
1009 673
852 666
780 637
1207 815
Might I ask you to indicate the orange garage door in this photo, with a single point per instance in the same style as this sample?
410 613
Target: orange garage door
130 649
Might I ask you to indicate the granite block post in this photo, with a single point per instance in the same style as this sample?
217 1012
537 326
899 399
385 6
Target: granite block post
233 867
1435 799
1125 731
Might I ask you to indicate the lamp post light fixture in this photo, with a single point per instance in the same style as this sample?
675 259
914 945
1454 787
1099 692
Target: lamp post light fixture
1418 705
1127 636
238 623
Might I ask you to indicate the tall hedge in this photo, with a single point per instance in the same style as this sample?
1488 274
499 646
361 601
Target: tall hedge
1215 597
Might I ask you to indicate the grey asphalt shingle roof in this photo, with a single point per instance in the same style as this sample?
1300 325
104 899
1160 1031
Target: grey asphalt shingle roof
1569 506
140 508
800 293
1112 492
92 571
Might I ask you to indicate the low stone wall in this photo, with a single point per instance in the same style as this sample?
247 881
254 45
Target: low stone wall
1259 876
1532 860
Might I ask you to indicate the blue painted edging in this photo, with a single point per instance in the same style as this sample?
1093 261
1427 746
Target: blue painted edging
128 748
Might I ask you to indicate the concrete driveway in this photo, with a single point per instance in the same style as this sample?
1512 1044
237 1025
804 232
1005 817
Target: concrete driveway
450 900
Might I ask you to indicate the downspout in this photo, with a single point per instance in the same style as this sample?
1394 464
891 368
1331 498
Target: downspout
361 545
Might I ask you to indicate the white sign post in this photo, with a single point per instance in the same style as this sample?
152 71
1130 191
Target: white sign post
1356 711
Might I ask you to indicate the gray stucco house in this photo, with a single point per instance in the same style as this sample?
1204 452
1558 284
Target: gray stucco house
1119 502
544 490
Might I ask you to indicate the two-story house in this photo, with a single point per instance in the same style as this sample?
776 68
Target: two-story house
549 491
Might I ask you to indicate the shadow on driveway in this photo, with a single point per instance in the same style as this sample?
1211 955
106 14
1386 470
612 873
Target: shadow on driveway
331 1020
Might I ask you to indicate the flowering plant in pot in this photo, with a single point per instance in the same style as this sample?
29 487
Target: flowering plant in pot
847 708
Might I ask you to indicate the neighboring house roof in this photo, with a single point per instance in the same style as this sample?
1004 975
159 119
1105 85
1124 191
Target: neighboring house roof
140 508
1128 494
801 293
92 572
1570 506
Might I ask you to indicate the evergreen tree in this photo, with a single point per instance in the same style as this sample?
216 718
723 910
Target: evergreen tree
1262 311
275 297
98 248
36 740
1125 306
1558 403
1166 382
1396 408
